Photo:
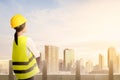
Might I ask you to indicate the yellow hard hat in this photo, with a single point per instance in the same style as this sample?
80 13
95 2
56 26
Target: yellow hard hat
17 20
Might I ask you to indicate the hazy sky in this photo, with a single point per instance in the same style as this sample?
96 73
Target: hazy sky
88 26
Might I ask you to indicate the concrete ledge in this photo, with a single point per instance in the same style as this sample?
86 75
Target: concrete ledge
68 77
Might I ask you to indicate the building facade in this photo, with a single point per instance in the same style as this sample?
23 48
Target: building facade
52 58
69 58
112 56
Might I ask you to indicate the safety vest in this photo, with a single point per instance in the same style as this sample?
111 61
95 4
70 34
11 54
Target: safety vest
24 65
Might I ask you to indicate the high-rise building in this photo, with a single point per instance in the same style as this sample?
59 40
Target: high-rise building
82 66
41 62
68 58
42 56
82 62
61 65
89 66
101 62
51 57
112 57
118 63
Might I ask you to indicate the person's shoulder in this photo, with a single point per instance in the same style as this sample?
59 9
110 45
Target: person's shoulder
24 36
29 40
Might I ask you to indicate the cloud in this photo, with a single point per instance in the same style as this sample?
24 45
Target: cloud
77 22
71 2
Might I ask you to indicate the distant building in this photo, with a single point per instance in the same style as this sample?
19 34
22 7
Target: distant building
118 63
42 56
82 66
101 61
52 58
112 57
42 60
89 66
68 58
96 68
61 65
4 67
82 62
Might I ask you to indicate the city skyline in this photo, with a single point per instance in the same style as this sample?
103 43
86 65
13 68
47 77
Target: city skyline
56 65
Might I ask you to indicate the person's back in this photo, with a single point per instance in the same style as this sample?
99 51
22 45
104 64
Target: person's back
23 59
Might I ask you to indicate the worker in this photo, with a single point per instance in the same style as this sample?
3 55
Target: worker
24 54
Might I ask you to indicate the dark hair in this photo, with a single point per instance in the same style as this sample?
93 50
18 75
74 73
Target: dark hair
18 29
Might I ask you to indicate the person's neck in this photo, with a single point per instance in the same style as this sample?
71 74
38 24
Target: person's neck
20 33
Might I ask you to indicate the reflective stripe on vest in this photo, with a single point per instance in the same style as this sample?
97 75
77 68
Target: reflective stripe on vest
24 65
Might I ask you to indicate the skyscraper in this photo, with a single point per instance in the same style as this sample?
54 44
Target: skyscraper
61 65
51 57
68 58
101 61
89 66
42 61
118 63
112 57
42 56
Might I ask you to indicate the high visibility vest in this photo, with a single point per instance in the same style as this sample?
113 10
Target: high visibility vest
24 65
